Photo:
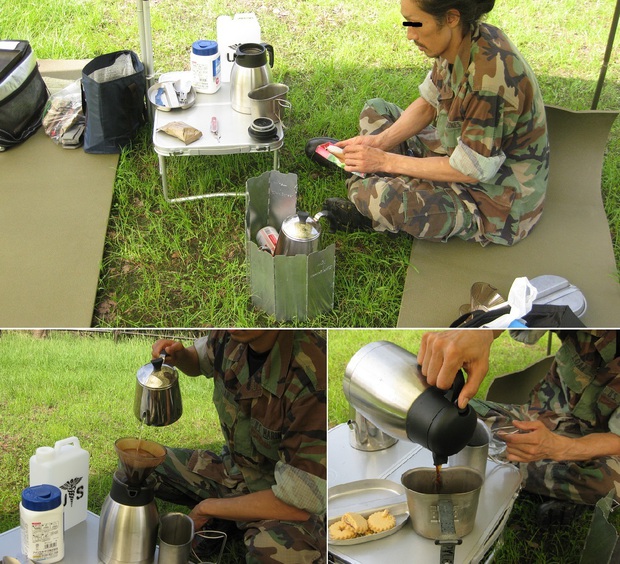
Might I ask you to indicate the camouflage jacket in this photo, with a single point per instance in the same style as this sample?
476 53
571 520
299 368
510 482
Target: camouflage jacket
491 123
274 421
584 381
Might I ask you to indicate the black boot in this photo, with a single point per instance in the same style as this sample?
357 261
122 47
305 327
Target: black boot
311 147
344 216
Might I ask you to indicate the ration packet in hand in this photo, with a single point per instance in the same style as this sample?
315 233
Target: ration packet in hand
333 154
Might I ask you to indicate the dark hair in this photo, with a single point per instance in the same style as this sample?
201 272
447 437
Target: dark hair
471 10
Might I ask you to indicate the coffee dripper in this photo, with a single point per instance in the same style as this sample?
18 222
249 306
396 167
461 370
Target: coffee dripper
129 518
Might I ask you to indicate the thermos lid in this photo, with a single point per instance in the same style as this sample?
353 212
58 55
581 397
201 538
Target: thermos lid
204 47
41 498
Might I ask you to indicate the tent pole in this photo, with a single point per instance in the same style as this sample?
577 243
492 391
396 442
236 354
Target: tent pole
610 43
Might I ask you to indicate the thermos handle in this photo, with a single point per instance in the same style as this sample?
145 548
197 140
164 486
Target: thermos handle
269 50
452 395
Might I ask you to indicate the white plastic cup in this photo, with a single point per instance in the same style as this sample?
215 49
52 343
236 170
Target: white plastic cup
206 66
41 522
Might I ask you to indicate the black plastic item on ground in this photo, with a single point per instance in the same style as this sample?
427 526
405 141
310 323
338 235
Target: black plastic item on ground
114 103
23 93
541 316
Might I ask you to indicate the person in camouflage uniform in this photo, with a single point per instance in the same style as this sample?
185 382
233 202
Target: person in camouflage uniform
470 157
566 438
269 392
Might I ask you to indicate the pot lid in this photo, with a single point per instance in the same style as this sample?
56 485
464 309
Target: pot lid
301 227
555 290
156 375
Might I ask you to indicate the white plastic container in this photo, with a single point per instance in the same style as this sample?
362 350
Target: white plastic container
40 518
231 32
65 466
206 66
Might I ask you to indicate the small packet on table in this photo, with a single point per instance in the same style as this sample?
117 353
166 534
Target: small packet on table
182 131
333 154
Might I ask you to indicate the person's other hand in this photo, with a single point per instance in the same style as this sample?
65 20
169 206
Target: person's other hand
442 354
364 158
537 442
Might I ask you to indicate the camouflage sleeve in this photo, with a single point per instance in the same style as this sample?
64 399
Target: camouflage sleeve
204 349
429 91
299 488
473 164
614 422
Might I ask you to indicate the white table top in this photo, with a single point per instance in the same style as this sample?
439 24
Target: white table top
346 464
233 126
80 542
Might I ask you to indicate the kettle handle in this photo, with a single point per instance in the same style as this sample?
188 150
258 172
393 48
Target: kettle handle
269 50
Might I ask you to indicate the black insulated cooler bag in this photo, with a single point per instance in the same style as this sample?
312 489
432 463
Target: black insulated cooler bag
113 101
23 93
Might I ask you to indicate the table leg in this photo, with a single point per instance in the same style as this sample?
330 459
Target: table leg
164 185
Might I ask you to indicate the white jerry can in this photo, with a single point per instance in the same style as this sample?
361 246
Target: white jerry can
65 465
231 32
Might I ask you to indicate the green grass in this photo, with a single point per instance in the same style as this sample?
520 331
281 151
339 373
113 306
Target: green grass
183 265
82 385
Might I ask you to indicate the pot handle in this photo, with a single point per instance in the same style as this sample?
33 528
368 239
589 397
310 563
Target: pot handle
269 50
158 362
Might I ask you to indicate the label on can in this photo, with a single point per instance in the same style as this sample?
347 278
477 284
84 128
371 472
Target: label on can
267 237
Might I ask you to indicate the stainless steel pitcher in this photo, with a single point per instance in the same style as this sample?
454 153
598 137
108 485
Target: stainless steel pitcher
157 400
385 384
300 234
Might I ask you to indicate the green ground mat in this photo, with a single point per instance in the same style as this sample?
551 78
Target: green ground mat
572 239
54 209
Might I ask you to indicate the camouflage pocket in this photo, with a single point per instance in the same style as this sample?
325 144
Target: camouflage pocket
266 441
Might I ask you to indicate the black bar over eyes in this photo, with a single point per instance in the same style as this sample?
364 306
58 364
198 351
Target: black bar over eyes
412 24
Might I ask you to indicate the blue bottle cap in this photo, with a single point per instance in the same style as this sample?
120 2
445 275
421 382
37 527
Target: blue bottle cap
41 498
204 47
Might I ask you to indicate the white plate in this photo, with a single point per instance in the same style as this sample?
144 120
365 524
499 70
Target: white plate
365 497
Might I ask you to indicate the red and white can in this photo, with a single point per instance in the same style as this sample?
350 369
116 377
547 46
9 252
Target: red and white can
267 238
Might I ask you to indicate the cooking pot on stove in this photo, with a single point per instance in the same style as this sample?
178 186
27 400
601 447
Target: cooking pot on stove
300 234
385 384
157 400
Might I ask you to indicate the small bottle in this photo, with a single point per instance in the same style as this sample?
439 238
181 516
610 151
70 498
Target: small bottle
41 521
206 67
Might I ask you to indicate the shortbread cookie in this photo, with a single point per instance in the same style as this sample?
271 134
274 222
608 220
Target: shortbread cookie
341 531
381 521
356 522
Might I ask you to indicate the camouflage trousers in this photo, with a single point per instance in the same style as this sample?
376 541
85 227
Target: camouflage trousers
426 210
186 477
583 482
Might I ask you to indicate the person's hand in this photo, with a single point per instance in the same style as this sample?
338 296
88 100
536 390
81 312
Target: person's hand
536 442
200 515
442 354
364 140
174 350
363 158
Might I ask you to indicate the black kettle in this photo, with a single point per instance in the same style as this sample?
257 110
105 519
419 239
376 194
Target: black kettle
384 383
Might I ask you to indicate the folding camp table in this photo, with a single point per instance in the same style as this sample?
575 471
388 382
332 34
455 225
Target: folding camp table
233 133
376 470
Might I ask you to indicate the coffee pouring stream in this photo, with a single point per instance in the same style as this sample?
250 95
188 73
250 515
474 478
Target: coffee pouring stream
385 384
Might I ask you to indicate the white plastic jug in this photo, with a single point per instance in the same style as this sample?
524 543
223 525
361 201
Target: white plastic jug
65 465
231 32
